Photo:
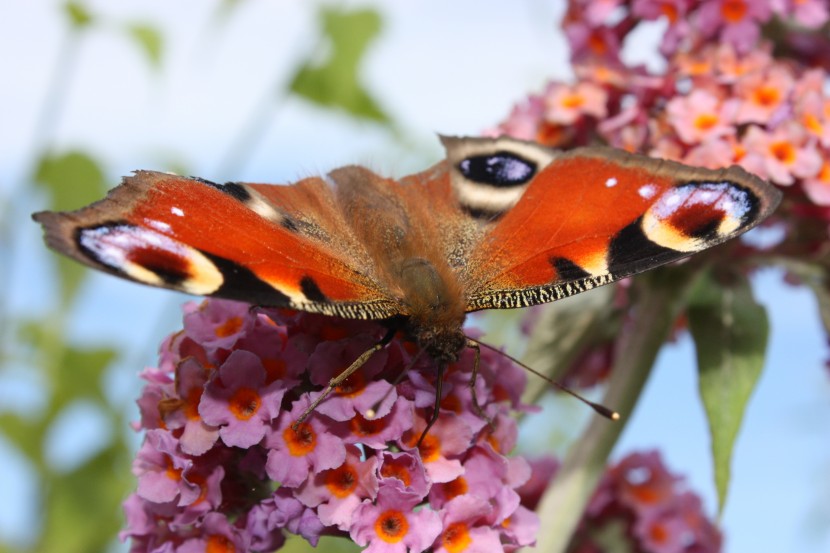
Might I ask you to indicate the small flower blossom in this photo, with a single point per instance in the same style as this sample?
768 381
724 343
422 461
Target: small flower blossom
392 525
700 117
564 104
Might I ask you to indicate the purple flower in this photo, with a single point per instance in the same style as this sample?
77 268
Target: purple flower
466 528
391 524
337 492
239 401
310 448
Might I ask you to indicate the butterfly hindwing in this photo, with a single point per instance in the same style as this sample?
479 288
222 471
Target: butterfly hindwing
595 215
228 241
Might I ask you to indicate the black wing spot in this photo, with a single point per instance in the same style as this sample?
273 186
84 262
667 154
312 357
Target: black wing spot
568 270
502 169
632 252
205 181
311 291
484 215
289 224
242 284
232 189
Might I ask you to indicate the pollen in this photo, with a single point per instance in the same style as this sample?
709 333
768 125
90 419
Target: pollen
244 403
191 403
734 11
301 441
342 481
391 526
229 327
456 538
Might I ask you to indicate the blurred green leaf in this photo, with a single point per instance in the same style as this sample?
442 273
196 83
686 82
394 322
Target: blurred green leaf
82 508
26 435
80 374
72 180
149 39
78 14
336 83
730 330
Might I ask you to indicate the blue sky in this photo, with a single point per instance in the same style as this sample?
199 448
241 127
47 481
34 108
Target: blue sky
452 68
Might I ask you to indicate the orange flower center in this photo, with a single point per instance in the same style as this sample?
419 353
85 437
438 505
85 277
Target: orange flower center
597 44
766 96
429 447
300 442
734 11
783 152
456 538
456 487
391 526
645 493
219 544
812 123
171 472
229 327
572 101
393 470
352 386
244 403
330 333
191 403
670 11
658 533
341 481
274 369
706 121
365 427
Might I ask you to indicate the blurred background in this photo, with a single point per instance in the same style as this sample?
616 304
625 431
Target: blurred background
272 92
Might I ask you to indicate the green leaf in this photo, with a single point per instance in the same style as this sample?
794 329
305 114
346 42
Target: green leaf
817 279
149 39
335 83
72 179
78 15
82 510
730 330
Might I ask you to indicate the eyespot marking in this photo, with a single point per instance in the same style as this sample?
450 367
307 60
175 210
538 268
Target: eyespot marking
311 290
148 256
689 217
501 169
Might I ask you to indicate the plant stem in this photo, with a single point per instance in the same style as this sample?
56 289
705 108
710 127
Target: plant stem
661 296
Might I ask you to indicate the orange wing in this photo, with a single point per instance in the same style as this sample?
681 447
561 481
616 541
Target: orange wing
230 241
595 215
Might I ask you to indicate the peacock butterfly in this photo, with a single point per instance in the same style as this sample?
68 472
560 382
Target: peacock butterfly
499 224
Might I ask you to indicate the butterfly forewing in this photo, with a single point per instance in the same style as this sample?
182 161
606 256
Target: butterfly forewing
596 215
223 240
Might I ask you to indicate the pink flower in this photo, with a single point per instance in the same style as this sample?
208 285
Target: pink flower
763 94
807 13
818 187
701 116
565 104
781 155
391 524
239 401
737 21
465 527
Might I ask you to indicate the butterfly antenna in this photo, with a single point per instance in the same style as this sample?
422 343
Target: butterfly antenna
598 408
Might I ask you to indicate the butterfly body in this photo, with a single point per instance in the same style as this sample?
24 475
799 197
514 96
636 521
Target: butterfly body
500 223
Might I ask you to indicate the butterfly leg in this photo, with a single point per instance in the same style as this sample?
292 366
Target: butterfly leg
473 377
340 378
436 409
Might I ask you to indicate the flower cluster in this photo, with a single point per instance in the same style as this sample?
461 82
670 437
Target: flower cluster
639 503
723 98
741 82
225 467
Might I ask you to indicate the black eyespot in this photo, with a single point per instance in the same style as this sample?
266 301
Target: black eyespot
502 169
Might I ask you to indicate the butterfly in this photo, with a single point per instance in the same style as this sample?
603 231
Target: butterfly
499 224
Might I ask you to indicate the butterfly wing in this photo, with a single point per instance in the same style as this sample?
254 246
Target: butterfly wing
595 215
264 244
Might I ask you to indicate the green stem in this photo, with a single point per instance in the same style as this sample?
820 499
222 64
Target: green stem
661 296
